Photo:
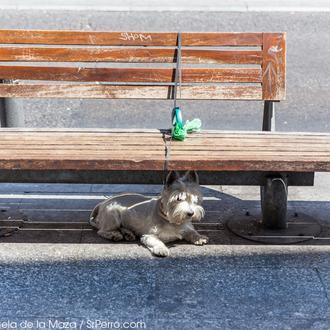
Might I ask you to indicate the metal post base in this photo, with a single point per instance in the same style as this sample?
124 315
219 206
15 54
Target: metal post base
275 226
300 227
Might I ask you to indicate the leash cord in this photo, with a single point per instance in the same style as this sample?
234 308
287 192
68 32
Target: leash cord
177 82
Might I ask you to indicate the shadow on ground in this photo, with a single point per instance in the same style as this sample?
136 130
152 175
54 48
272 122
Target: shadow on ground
40 215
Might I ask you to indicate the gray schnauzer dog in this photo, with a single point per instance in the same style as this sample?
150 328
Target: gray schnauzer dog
155 221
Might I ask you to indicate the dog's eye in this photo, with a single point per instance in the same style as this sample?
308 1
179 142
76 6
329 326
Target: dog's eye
181 197
194 199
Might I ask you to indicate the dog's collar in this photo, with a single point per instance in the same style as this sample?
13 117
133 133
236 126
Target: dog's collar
161 211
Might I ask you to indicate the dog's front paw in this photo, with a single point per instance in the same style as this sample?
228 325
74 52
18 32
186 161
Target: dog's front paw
201 240
128 234
114 235
160 251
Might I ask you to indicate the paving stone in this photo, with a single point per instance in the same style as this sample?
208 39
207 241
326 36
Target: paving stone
55 215
41 236
206 289
91 289
28 188
269 323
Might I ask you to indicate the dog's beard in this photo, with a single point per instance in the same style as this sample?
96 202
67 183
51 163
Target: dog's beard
177 213
199 213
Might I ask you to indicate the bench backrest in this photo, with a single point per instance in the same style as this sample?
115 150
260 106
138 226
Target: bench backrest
248 66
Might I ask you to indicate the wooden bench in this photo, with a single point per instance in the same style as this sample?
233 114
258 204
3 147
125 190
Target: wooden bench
215 66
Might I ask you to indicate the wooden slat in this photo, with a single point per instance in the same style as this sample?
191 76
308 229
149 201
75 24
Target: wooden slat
274 66
132 55
139 157
107 141
249 164
60 37
81 130
254 151
137 163
128 38
129 74
316 137
222 39
253 134
131 150
199 141
117 145
221 56
143 132
235 92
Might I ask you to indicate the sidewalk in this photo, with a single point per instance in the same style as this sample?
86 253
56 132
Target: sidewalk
73 275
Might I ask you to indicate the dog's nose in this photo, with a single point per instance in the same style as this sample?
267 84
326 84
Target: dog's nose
190 214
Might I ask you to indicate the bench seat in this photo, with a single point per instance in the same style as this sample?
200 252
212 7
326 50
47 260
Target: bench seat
51 149
144 150
252 151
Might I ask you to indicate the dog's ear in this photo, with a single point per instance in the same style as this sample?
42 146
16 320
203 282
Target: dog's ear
171 177
191 176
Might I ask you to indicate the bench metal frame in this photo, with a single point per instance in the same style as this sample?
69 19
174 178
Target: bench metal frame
274 192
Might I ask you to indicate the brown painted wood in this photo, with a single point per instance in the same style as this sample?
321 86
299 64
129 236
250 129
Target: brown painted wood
201 92
205 136
258 148
142 131
274 66
137 163
129 74
222 39
134 150
251 165
47 156
95 131
203 141
55 37
60 37
131 55
120 145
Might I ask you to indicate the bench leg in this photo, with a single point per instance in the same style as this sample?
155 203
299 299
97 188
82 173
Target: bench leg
274 197
3 117
3 112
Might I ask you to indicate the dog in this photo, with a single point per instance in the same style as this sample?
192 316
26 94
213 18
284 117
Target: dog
155 221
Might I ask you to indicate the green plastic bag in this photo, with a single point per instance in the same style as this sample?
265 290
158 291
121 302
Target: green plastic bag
180 130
